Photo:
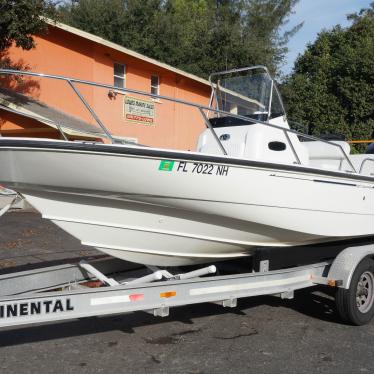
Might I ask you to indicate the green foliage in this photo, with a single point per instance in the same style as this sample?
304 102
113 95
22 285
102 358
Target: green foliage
199 36
332 86
21 19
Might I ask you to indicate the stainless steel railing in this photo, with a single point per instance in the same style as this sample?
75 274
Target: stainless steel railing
106 133
364 162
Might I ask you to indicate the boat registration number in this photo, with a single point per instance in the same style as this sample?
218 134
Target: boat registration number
194 167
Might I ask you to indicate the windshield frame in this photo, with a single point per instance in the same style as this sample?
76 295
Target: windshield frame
273 88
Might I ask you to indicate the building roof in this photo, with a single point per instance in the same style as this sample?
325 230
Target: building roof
23 105
127 51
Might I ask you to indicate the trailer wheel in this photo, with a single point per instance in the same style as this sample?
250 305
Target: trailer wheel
356 304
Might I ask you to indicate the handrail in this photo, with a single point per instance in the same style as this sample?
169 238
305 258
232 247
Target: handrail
292 147
94 115
363 162
302 126
180 101
210 127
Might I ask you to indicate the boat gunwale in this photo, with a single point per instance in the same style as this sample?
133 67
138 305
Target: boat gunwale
173 155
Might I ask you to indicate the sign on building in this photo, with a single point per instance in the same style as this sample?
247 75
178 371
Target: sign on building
139 111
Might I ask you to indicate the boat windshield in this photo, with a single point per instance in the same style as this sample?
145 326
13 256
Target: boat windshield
247 92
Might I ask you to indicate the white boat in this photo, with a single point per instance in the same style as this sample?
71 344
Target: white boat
251 182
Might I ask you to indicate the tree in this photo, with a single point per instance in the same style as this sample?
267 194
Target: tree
199 36
331 88
19 21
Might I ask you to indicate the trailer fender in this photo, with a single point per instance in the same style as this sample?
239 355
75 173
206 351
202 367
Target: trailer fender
345 263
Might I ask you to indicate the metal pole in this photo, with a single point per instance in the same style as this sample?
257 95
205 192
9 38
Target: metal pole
198 273
62 133
270 99
363 162
292 147
210 127
94 115
346 156
279 98
93 271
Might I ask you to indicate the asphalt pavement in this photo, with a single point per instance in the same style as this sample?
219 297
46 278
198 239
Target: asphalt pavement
261 335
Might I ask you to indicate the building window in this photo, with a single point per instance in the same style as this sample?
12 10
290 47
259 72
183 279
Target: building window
119 75
155 85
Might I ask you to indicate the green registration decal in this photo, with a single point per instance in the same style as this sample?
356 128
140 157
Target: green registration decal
166 165
194 167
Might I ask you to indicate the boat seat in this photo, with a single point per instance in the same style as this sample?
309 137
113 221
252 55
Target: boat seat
319 150
327 156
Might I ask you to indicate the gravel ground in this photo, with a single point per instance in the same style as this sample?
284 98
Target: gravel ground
261 335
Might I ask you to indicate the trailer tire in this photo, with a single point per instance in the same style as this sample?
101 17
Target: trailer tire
356 304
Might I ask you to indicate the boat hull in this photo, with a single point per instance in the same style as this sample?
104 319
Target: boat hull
172 209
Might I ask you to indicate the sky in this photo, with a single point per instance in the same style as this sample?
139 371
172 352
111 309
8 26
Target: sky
317 15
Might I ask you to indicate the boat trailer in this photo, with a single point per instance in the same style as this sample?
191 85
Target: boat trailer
107 286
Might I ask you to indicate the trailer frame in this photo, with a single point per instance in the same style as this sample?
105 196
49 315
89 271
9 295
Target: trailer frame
71 291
